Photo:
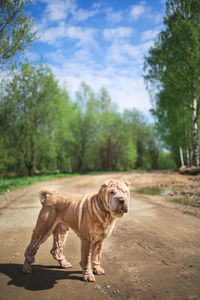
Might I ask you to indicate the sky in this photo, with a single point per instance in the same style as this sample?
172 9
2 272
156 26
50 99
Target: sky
102 43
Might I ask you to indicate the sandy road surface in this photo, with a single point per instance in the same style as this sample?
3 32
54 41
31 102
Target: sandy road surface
153 252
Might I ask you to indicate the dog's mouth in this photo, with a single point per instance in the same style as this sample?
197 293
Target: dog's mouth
123 205
125 209
119 205
121 210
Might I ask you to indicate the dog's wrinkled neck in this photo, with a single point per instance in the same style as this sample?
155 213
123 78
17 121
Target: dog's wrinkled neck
101 205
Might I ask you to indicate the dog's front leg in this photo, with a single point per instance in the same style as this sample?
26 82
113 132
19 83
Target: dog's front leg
96 257
86 251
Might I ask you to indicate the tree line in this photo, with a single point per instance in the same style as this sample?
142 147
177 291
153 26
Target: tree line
43 130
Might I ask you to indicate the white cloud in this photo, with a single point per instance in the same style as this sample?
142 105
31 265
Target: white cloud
60 9
126 90
155 17
137 52
118 66
138 10
125 85
56 56
130 92
84 14
31 55
150 34
85 36
158 18
118 32
113 16
115 54
121 52
51 34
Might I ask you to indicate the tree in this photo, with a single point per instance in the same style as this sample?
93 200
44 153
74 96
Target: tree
109 142
42 129
173 66
16 30
31 106
86 125
112 141
142 135
174 127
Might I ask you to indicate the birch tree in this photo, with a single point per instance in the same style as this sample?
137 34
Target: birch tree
173 63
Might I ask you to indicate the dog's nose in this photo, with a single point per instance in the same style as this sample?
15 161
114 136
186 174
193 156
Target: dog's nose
124 205
121 202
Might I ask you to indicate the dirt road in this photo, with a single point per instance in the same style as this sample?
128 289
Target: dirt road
153 252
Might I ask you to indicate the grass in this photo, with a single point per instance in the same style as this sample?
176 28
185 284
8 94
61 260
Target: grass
12 183
150 191
9 184
191 202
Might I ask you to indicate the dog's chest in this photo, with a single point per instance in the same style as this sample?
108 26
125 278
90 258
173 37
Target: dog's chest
109 228
104 230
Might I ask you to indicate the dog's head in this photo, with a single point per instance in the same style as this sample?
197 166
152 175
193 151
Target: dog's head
115 195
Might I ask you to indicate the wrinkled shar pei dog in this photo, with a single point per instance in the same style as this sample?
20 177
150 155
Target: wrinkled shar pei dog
92 217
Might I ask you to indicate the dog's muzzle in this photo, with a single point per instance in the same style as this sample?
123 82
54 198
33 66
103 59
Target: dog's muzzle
123 202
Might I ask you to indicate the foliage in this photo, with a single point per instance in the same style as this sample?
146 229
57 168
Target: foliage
42 130
31 105
173 78
16 31
166 161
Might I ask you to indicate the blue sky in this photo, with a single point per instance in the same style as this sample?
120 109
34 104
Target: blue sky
100 42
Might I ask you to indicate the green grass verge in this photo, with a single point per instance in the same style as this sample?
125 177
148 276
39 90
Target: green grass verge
191 202
9 184
149 191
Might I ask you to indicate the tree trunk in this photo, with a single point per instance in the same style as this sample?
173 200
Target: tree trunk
29 158
31 170
195 132
69 165
181 156
188 156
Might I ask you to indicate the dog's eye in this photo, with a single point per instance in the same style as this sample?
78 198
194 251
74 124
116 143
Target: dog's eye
112 192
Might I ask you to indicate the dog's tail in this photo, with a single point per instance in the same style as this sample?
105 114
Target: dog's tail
44 192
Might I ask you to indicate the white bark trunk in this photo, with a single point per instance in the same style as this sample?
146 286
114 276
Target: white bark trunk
188 157
195 132
181 156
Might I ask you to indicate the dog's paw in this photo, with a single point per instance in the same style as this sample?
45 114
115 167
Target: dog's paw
98 271
89 277
26 268
65 264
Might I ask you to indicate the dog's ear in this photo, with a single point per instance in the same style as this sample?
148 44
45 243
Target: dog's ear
106 183
127 182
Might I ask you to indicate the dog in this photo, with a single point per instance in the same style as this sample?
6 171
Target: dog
92 217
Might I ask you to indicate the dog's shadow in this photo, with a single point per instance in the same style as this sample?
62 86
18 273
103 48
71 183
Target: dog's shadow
41 278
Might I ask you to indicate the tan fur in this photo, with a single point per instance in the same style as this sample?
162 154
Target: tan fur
44 192
91 218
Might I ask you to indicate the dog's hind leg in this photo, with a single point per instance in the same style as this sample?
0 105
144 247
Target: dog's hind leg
59 239
45 226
